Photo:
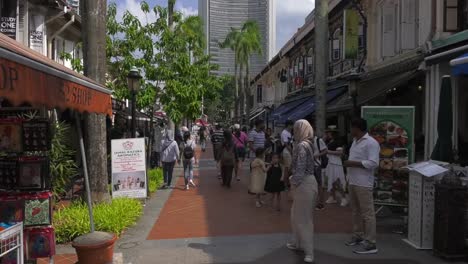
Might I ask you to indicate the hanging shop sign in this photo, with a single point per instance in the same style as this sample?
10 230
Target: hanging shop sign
19 84
351 34
36 33
129 168
8 18
393 128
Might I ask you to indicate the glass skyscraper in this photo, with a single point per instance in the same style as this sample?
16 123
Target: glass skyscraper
219 16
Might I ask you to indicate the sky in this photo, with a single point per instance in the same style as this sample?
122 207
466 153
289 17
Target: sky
290 14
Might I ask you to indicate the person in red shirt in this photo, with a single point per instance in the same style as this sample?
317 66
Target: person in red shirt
240 139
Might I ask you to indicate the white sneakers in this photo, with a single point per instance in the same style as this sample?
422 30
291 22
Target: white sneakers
308 259
331 200
344 202
192 183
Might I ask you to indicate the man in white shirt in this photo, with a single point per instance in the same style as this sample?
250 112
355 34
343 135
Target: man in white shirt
363 160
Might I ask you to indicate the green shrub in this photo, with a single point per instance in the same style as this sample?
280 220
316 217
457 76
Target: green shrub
155 179
73 221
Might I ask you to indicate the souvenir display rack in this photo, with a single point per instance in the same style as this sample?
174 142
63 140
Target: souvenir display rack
25 184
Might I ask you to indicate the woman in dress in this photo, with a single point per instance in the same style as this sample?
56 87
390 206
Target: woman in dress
334 170
258 176
305 190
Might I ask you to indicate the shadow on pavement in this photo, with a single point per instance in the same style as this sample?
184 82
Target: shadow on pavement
284 256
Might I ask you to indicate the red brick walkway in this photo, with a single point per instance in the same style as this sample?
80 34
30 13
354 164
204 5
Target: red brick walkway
211 210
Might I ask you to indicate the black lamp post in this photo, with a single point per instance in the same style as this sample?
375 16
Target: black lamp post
133 80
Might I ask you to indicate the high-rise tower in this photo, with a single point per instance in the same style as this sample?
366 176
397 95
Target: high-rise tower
219 16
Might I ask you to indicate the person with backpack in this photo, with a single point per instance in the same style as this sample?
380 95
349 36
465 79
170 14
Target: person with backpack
240 141
228 158
202 137
169 155
321 163
189 158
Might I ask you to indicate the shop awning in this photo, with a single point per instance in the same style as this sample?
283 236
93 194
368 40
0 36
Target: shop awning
286 107
27 77
370 89
259 111
460 65
308 107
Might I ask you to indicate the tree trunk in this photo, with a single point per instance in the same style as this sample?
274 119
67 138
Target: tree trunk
321 69
170 22
242 93
94 14
236 99
247 90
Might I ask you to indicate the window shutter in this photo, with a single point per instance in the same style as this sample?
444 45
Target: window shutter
21 32
388 30
408 24
451 15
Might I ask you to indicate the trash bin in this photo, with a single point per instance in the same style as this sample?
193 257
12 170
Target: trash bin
449 221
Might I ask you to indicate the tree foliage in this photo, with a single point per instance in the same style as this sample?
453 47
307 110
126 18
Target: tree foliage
173 56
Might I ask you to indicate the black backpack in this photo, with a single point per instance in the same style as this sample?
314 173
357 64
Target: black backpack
188 152
323 159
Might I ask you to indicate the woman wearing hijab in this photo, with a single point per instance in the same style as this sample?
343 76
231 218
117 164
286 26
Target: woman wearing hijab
169 155
305 190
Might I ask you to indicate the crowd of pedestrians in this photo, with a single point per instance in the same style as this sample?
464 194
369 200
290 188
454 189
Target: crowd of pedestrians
304 165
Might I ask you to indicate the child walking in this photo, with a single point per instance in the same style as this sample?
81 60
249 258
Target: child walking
275 182
257 176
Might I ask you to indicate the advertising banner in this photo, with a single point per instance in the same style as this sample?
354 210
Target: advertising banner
351 34
393 128
36 33
8 18
129 168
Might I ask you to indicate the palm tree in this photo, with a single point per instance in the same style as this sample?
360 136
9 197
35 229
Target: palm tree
249 44
231 41
244 43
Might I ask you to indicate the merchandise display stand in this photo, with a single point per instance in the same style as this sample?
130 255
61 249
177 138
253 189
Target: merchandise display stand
25 188
11 243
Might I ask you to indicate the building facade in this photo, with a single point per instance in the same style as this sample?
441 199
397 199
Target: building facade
51 28
405 48
219 16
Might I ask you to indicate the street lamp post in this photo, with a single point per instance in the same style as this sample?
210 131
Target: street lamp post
133 80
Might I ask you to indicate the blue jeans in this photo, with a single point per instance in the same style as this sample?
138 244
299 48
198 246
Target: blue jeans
188 171
168 169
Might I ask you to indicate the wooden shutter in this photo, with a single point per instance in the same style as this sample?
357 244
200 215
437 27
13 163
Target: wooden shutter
451 15
388 30
408 24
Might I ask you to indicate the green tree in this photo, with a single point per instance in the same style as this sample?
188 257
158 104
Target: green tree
245 42
169 50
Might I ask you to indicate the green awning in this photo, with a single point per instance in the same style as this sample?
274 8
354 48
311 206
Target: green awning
452 40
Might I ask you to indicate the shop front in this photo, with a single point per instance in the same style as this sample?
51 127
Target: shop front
34 92
446 59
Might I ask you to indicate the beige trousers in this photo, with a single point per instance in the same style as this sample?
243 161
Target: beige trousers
362 206
302 224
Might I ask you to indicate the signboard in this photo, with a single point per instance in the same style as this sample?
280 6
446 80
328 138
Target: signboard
8 18
351 34
129 168
20 83
36 33
393 128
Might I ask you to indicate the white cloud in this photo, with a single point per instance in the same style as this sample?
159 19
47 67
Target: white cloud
186 10
134 7
290 17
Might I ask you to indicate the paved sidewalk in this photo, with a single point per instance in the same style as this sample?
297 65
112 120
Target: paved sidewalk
210 224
